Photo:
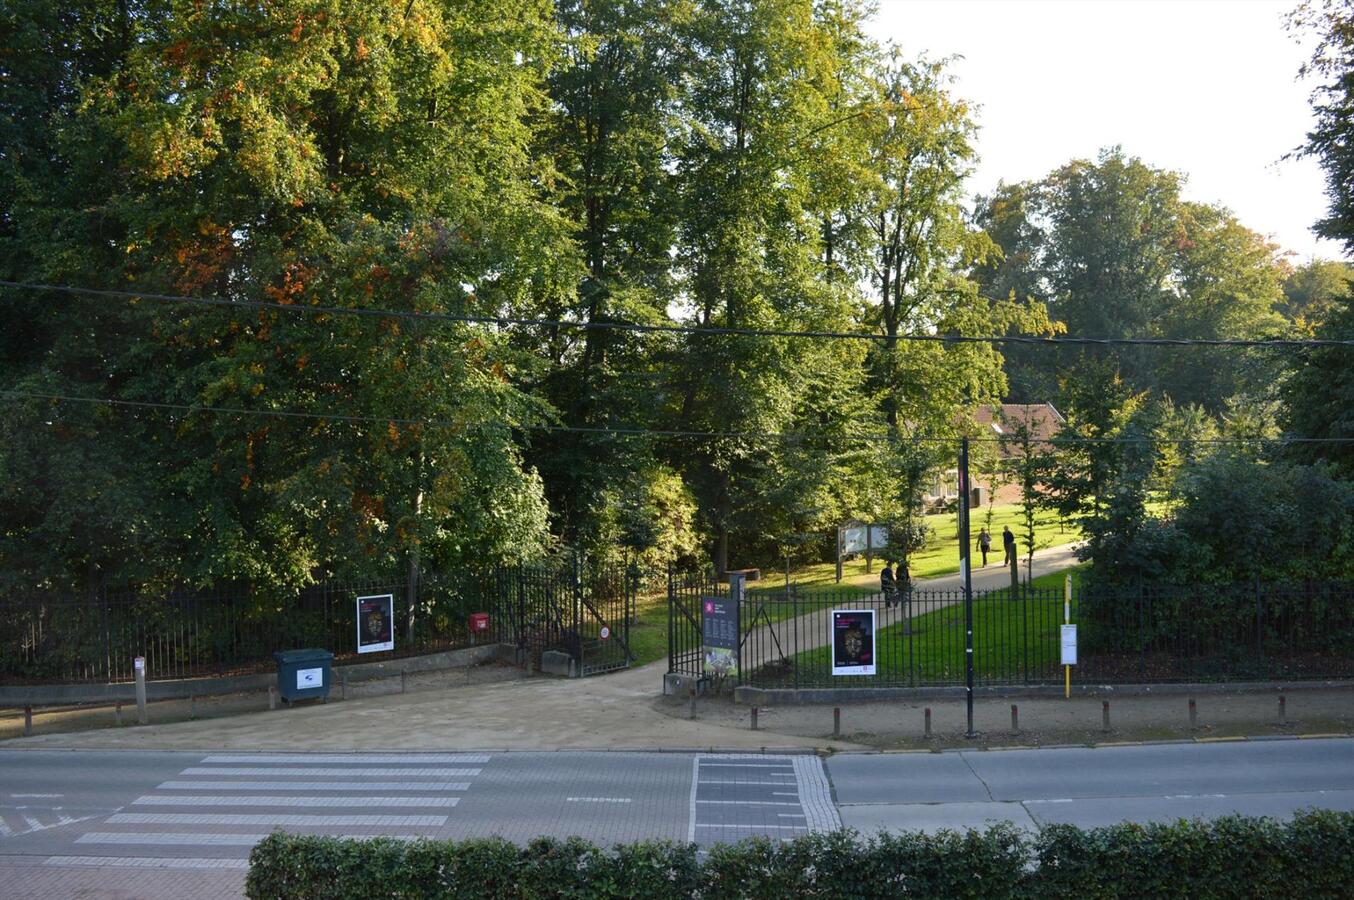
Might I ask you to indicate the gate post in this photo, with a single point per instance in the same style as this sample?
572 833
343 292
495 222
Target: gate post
578 609
672 622
736 597
965 566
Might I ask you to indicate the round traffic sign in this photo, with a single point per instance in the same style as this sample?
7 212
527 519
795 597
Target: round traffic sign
605 632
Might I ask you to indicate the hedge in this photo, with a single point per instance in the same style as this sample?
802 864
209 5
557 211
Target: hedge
1310 856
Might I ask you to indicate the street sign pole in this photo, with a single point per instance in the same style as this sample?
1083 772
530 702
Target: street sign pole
965 566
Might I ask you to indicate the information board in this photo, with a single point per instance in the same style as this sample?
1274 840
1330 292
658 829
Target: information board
853 644
719 635
1069 645
375 623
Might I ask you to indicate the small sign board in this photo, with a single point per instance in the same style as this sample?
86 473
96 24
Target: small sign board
1069 645
719 635
309 678
604 632
375 623
853 642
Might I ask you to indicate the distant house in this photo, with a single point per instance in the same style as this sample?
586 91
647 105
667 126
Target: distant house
1043 420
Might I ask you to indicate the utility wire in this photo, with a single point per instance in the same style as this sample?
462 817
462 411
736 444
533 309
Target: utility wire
637 432
376 312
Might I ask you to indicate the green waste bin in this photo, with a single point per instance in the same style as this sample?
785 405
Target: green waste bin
303 674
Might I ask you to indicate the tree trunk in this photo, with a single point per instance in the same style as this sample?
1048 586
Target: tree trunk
412 574
722 551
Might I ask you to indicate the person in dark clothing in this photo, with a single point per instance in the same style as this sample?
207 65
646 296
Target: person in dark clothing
1008 544
887 584
984 543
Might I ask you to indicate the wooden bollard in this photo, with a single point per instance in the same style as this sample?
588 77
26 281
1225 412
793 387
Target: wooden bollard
1283 710
691 708
1105 714
1015 719
272 697
1193 714
928 721
836 721
754 718
192 707
28 721
117 714
404 681
343 684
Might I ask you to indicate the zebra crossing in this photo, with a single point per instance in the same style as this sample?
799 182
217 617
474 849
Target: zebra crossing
736 796
215 810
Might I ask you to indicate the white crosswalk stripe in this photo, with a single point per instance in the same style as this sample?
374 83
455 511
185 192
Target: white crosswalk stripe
465 759
219 807
439 786
266 800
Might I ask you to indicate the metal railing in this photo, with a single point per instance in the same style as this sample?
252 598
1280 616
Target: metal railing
1126 635
235 629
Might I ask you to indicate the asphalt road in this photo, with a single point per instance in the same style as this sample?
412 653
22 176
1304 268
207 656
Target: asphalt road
133 823
1092 787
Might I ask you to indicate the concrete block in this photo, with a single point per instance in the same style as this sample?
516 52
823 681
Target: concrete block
553 662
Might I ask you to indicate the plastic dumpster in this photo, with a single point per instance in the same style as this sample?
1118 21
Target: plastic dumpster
303 674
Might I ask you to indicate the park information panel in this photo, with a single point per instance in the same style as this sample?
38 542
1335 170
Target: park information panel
853 642
719 635
375 623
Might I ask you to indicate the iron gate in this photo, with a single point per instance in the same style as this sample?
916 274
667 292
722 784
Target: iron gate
584 612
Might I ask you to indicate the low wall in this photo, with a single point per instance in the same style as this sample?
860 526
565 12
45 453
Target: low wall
177 689
754 696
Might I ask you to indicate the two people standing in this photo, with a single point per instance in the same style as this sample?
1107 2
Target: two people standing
894 585
1008 544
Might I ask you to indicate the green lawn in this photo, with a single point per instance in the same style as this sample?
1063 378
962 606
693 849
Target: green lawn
940 557
1010 637
649 634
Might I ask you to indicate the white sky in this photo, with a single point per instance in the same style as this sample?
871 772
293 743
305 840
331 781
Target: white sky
1205 87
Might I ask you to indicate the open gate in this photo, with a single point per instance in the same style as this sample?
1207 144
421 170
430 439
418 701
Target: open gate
582 612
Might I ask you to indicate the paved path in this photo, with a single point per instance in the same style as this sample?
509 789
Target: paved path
813 629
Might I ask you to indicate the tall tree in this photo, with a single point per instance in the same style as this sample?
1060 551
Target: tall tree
1319 395
613 113
318 153
1117 253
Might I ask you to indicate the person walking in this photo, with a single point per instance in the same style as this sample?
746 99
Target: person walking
887 585
1008 544
903 593
984 543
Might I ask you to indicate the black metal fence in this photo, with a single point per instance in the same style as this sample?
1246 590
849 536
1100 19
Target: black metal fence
585 612
1141 635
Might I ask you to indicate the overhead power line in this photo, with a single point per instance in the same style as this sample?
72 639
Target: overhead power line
518 321
630 432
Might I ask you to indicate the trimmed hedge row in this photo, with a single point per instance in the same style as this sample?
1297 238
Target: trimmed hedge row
1310 856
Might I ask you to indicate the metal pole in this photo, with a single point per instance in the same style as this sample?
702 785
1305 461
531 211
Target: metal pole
139 667
1067 620
967 569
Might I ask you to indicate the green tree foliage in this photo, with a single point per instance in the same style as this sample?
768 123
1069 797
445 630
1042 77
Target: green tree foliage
304 153
1312 291
1331 141
1116 253
1319 394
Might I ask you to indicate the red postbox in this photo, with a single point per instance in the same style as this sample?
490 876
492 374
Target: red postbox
479 622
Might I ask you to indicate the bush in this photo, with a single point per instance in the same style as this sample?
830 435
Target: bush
1311 856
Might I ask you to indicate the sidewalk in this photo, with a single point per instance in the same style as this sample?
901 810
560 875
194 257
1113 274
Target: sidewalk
626 710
